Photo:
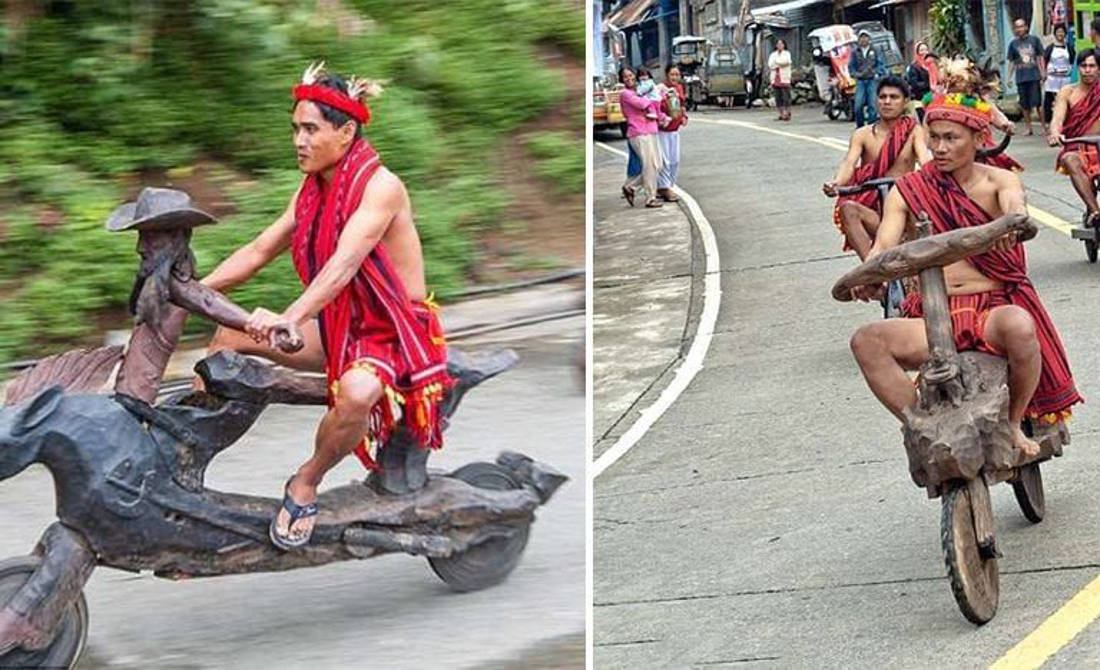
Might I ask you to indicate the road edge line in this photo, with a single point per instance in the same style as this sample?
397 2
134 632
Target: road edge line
692 363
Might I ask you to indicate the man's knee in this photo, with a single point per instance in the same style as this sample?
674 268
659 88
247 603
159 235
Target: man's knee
1016 330
1072 163
866 344
358 391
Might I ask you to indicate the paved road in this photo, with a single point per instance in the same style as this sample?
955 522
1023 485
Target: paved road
768 519
389 612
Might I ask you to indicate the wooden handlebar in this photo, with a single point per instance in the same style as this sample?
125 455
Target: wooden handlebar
934 251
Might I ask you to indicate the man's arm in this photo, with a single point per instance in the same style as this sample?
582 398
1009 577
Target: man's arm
1061 108
895 214
920 145
847 167
1012 200
363 231
1013 56
248 260
1041 58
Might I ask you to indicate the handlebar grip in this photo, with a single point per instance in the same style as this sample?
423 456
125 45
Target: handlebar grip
288 338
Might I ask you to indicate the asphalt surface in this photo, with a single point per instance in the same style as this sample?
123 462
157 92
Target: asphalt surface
390 612
768 519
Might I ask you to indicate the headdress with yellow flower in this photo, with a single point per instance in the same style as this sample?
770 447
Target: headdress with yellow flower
969 111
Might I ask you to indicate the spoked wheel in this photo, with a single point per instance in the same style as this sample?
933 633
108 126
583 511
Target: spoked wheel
973 571
72 631
488 563
1028 488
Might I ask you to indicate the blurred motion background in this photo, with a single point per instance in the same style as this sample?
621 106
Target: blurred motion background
483 118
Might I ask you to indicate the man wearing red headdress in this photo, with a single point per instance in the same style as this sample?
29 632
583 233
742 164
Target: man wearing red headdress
994 307
1076 114
888 147
365 316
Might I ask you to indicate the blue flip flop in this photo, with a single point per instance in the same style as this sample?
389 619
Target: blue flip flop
297 513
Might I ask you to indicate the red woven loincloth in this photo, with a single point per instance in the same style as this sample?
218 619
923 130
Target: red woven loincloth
372 323
1089 158
968 316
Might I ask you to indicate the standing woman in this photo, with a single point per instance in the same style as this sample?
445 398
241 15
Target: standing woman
641 120
1059 57
779 62
922 75
672 107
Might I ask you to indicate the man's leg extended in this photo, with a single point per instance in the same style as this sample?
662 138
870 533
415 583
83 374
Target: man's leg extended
342 427
860 224
1082 183
310 358
1012 330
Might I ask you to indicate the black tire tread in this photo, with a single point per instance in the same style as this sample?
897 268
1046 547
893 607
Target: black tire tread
48 657
457 571
953 561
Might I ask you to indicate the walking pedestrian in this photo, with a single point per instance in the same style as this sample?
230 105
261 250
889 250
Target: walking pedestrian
1059 57
864 65
641 118
779 62
672 107
1025 58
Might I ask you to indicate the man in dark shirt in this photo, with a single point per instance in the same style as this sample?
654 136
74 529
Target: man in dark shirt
863 66
1025 57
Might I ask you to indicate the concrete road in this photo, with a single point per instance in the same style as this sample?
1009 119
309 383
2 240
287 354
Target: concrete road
390 612
768 519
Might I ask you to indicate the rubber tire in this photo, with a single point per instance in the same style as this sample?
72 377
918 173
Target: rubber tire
1029 492
72 633
833 112
975 582
622 129
1090 250
488 563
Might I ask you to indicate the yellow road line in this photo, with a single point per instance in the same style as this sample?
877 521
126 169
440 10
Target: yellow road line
1043 217
1055 632
1048 219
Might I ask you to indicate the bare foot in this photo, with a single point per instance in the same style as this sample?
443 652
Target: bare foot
1027 447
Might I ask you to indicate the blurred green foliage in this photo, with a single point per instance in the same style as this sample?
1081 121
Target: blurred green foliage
96 97
560 159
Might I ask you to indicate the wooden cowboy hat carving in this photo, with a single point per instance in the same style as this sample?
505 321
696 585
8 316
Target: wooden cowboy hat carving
158 209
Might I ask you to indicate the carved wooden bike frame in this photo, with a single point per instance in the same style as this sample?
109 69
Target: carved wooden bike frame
129 474
958 437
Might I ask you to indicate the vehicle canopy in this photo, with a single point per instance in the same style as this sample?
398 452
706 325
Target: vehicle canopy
833 37
681 39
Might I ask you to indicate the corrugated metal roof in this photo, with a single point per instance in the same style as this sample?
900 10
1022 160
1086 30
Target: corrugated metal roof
629 14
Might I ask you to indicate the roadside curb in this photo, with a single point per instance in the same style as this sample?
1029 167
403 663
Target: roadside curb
692 341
